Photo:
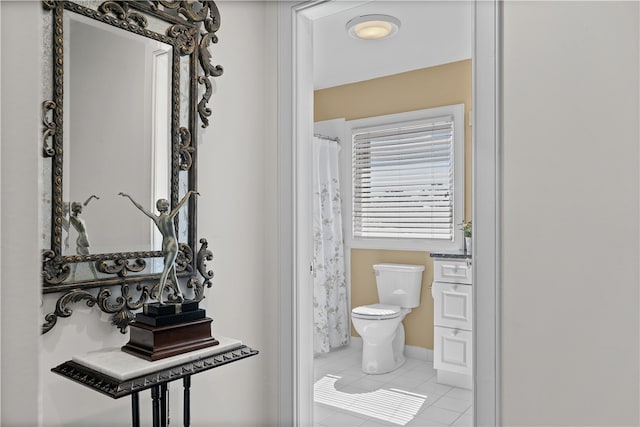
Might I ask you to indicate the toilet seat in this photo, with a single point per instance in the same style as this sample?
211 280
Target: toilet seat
376 312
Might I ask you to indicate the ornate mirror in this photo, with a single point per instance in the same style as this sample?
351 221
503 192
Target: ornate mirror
127 85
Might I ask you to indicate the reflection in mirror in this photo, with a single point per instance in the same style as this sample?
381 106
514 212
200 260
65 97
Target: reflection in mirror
82 241
117 136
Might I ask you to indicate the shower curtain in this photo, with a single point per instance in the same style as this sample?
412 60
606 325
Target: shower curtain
330 311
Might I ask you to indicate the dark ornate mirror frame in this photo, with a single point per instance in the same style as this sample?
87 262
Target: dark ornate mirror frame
191 28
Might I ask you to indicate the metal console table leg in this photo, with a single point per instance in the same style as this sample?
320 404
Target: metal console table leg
163 405
155 406
135 410
187 401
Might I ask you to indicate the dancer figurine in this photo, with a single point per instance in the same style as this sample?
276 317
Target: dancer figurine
82 242
164 222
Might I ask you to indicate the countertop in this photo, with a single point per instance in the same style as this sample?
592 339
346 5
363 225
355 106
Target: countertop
452 254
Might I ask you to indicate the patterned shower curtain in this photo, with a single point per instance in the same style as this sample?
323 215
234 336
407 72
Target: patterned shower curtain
330 310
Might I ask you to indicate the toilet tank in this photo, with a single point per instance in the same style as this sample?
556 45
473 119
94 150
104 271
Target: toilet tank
399 284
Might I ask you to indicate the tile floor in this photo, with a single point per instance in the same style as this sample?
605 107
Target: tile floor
408 396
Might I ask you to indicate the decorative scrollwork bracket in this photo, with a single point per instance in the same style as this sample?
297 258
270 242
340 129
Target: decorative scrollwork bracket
186 37
54 268
204 255
185 258
62 309
122 306
49 128
186 149
121 10
212 25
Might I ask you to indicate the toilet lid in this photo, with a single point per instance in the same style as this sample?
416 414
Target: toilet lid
376 311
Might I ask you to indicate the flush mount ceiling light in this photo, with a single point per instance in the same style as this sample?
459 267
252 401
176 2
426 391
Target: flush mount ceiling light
373 27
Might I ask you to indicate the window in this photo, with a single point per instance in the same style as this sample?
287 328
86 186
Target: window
407 177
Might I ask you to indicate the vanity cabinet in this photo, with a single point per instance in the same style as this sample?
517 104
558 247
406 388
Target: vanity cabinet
452 270
452 305
452 293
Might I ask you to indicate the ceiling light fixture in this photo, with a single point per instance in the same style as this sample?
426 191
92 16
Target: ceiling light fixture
373 27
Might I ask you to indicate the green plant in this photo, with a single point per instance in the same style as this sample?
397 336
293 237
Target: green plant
466 228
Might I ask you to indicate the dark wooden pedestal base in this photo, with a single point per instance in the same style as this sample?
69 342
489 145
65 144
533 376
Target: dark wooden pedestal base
157 342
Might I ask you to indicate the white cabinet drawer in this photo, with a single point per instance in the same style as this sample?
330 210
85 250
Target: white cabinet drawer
452 350
452 270
452 305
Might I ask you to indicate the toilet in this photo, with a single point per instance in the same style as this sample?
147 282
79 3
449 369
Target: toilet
380 325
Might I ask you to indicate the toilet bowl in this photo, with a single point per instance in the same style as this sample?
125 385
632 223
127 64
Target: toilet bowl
382 332
380 325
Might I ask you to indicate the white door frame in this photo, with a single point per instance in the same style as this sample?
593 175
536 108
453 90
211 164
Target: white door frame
295 130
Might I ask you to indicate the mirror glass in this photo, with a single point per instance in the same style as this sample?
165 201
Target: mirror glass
117 137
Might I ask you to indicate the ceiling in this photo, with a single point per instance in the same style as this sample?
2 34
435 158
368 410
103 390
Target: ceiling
431 33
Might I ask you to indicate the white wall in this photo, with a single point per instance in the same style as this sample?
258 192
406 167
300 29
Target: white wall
237 213
20 149
571 196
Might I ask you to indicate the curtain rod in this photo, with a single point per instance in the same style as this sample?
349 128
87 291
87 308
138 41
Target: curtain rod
327 137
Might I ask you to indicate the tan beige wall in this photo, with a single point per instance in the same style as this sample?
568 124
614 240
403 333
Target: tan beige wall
414 90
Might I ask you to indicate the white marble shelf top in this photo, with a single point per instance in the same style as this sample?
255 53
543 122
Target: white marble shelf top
122 366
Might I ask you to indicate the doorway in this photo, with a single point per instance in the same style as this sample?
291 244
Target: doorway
295 124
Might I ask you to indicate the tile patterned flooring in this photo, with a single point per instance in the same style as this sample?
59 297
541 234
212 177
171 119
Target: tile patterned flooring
408 396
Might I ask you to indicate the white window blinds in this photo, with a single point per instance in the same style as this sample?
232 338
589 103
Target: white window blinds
403 181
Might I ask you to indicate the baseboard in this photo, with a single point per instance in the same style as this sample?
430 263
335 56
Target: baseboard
411 351
419 353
